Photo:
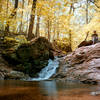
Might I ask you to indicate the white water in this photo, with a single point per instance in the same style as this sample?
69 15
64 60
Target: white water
48 71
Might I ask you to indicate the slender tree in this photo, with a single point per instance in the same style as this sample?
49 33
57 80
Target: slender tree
57 27
70 33
48 25
7 7
1 5
31 24
38 26
87 12
54 32
21 25
70 40
12 15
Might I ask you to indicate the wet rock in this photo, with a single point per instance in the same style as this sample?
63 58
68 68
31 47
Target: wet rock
89 81
1 76
83 64
16 75
6 72
95 93
3 68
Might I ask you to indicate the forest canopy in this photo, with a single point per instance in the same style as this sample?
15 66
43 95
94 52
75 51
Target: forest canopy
53 19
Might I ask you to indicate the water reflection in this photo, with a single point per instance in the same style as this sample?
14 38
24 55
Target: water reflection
48 88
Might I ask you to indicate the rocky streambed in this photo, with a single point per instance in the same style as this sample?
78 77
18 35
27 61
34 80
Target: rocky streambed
24 60
82 65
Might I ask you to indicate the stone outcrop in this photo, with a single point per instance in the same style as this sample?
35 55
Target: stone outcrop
30 57
3 68
83 64
16 75
6 72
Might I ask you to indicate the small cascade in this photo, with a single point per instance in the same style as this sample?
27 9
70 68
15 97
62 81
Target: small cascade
48 71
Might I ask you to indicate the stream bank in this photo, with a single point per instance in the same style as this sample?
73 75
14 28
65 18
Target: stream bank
82 65
29 57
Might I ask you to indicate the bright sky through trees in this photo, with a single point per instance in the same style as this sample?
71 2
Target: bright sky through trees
54 19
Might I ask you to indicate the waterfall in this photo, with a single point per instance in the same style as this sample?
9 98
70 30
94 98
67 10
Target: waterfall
48 71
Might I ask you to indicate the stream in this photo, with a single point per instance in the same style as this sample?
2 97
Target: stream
48 71
43 89
47 90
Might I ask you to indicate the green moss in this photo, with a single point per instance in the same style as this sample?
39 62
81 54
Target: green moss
30 57
25 67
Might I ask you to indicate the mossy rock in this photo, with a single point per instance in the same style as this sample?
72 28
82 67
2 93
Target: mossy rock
30 57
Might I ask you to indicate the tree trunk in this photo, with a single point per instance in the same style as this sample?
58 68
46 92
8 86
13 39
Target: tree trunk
48 22
38 26
54 32
27 18
32 17
71 7
7 8
70 41
58 29
1 5
87 12
21 25
13 14
70 35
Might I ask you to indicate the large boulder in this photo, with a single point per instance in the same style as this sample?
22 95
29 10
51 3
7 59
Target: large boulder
83 64
3 68
16 75
30 57
6 71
